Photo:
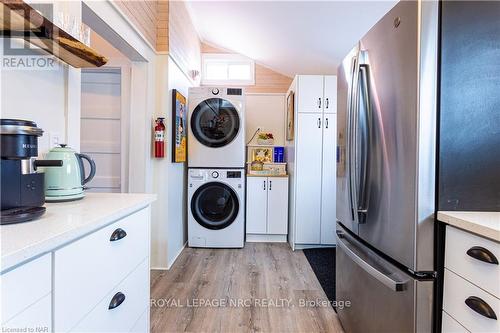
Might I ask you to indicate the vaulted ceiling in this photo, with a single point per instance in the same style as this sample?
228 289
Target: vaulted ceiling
290 37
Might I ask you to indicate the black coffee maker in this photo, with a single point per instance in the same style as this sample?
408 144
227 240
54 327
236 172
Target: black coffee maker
22 188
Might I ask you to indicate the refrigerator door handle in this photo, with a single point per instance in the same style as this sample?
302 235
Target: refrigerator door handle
365 127
352 136
388 281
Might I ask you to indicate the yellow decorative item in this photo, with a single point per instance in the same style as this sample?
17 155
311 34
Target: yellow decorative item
256 166
262 155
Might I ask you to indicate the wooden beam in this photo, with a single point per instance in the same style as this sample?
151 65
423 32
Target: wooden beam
18 19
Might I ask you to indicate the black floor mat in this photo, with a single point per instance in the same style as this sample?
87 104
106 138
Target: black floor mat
322 262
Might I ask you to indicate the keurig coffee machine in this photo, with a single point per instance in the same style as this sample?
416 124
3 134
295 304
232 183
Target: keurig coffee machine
22 188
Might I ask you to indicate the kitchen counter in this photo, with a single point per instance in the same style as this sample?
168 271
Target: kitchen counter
65 222
486 224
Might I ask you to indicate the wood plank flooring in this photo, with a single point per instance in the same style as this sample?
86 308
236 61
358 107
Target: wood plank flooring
264 287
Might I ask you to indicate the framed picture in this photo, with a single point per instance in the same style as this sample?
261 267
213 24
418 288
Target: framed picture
264 155
179 130
289 116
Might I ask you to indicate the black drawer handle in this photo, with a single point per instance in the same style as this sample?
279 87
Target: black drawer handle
482 254
116 301
481 307
117 235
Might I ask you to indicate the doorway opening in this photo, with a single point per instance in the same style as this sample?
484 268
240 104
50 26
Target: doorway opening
101 134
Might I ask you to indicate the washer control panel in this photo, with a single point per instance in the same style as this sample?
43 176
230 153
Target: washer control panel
234 174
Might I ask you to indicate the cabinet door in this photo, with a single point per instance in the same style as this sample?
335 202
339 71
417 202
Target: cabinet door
256 205
310 93
277 206
328 179
308 175
330 94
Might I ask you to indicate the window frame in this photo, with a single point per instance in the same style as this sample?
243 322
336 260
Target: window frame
228 59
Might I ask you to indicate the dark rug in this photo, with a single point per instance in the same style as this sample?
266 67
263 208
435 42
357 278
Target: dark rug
322 262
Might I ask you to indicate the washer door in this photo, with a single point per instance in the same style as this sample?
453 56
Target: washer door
215 205
215 122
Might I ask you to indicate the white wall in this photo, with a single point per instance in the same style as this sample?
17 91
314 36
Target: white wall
266 111
51 98
169 227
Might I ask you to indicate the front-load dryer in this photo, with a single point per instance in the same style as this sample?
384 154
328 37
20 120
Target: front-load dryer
216 208
216 135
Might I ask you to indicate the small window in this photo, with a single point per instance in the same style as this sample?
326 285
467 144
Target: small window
227 69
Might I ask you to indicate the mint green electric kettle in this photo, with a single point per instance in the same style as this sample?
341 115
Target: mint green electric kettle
65 183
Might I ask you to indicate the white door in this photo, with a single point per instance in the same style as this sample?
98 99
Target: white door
328 179
256 205
101 126
277 206
308 173
310 93
330 94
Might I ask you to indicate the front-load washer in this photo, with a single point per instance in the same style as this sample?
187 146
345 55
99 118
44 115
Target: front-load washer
216 208
216 135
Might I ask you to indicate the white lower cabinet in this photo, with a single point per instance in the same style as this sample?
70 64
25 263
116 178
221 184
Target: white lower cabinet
98 283
27 297
267 206
36 318
314 216
96 264
471 295
120 309
25 285
450 325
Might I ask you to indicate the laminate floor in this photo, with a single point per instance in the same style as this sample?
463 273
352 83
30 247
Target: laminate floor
264 287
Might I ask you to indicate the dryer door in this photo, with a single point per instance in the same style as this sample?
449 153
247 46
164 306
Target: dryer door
215 122
215 205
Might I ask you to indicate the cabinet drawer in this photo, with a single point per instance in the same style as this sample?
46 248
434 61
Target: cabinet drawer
142 325
24 285
88 269
456 291
36 318
123 317
450 325
480 273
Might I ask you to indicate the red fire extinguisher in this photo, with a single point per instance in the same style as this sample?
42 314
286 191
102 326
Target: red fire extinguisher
159 138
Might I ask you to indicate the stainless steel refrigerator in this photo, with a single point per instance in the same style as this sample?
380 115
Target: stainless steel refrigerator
386 134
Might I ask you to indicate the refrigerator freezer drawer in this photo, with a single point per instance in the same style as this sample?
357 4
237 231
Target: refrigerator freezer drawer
382 297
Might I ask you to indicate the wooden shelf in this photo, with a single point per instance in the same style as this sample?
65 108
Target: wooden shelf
264 146
18 19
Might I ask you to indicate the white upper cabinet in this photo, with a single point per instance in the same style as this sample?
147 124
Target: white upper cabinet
310 93
330 94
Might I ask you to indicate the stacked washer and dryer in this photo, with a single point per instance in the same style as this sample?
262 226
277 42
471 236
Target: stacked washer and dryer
216 167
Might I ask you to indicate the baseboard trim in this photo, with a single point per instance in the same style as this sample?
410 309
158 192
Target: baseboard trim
170 264
158 268
312 246
258 238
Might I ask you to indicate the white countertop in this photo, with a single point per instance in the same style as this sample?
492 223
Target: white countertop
486 224
65 222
